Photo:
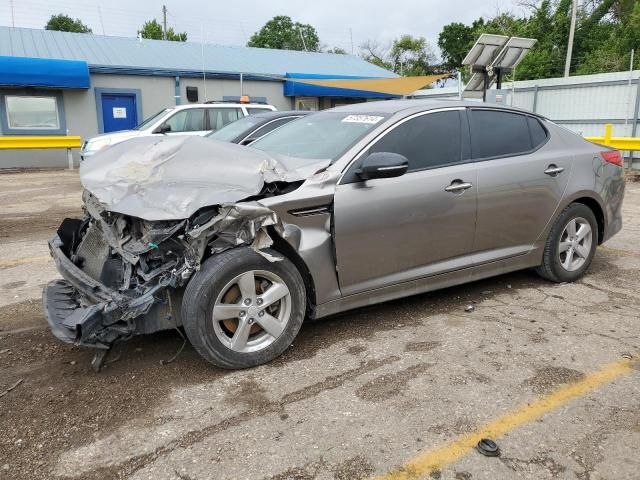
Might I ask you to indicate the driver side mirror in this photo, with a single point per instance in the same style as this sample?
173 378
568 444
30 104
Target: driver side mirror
383 165
164 128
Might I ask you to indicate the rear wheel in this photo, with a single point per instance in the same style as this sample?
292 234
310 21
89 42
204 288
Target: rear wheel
571 245
241 310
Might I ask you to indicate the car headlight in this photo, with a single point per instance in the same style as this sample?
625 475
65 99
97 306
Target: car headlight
97 144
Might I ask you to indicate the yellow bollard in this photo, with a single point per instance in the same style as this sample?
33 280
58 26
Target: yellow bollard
608 133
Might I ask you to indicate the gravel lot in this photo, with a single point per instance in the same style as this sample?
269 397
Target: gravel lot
357 396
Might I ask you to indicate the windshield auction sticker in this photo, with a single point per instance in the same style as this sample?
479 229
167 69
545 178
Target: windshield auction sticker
370 119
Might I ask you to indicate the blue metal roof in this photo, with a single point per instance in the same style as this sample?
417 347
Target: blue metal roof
158 57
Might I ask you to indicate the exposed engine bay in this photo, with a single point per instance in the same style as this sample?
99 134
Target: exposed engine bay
136 260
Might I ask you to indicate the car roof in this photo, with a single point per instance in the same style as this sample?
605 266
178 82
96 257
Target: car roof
270 115
263 106
417 105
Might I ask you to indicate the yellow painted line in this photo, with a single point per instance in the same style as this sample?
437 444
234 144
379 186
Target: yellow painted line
449 453
14 262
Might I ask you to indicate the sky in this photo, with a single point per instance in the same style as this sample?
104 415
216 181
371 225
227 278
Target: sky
233 22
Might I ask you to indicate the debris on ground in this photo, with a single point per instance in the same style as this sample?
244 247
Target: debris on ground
470 308
11 388
488 448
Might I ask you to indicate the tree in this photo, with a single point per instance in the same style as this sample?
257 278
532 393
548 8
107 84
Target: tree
614 53
412 56
337 50
282 33
606 31
454 42
408 56
153 30
374 53
64 23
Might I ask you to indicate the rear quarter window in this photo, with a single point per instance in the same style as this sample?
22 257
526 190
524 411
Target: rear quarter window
537 131
498 134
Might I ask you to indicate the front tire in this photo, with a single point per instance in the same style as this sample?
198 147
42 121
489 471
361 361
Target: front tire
571 245
241 310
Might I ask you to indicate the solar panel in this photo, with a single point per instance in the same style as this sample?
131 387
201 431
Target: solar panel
513 52
474 87
490 57
485 50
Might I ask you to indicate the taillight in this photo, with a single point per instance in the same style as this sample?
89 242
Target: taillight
612 156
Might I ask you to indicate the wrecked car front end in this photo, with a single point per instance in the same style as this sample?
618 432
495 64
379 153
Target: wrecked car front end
155 209
115 269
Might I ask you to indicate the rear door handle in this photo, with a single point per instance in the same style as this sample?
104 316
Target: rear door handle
458 186
553 170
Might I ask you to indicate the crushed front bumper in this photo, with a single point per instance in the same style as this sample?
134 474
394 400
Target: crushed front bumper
66 318
83 311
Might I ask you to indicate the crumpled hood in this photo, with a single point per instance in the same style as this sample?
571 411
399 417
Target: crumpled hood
171 177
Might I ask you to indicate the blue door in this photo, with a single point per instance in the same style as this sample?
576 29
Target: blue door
118 112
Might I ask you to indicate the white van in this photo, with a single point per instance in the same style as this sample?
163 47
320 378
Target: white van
193 119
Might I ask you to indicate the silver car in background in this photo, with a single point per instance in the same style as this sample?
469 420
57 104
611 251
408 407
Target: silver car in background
344 208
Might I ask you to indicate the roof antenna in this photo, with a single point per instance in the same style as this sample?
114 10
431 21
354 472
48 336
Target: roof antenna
101 21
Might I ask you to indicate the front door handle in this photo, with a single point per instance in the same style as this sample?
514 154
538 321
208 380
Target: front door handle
553 170
458 186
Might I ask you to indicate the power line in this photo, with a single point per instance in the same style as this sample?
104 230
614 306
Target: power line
229 31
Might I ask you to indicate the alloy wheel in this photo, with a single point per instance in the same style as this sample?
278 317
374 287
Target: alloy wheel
252 311
575 244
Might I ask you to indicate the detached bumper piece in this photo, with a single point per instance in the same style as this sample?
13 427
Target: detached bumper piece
68 321
84 311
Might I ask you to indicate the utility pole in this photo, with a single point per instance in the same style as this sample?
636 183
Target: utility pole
572 29
304 44
351 35
13 20
164 22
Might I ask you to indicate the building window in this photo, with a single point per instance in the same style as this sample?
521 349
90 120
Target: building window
32 113
307 103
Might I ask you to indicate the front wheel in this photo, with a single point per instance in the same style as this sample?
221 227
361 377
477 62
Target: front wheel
241 310
571 245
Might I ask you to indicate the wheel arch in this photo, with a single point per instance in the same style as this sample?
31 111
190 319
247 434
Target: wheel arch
597 210
283 247
589 199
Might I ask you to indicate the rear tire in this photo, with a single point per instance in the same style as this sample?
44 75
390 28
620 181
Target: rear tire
241 310
571 245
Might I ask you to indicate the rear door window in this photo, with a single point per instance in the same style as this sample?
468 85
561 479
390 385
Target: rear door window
496 133
219 117
428 141
190 120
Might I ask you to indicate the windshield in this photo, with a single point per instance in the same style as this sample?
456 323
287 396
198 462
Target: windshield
234 129
149 121
320 136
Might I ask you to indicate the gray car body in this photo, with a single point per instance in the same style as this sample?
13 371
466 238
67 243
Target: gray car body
354 242
368 246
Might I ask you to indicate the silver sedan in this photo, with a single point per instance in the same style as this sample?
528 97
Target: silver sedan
336 210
